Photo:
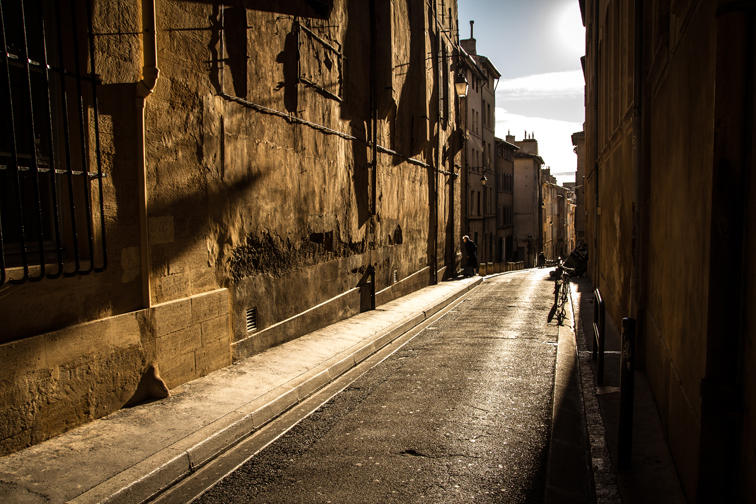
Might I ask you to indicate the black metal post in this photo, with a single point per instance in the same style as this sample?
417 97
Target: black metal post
98 157
83 151
599 335
627 368
52 158
67 145
34 168
14 154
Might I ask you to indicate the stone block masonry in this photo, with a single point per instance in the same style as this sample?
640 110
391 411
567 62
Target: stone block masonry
58 380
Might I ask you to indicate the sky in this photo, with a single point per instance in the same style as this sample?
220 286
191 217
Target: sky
536 45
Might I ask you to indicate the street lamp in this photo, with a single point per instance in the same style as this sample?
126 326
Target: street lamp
483 179
460 84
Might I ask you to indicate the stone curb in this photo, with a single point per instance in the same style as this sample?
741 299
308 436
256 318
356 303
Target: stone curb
145 479
605 486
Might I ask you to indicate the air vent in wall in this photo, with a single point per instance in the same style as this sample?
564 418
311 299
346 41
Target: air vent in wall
252 320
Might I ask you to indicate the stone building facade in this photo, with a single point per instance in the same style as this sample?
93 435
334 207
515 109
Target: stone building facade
479 110
208 179
578 141
670 198
504 172
549 214
527 200
570 211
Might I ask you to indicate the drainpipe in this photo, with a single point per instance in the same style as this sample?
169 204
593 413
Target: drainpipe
594 256
370 230
640 196
437 156
144 88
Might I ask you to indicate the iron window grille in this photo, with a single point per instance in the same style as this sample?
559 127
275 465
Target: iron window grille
52 220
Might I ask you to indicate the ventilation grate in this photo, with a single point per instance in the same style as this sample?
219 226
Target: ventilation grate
252 320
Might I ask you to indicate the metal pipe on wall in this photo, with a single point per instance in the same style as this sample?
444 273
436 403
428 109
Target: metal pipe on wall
640 189
144 88
373 149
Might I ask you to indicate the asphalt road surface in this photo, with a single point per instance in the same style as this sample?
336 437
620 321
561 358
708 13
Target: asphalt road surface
461 413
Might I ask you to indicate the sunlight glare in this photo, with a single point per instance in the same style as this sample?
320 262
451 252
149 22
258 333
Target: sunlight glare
569 32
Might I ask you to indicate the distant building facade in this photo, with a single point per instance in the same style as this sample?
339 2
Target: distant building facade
527 200
504 169
578 141
549 214
479 109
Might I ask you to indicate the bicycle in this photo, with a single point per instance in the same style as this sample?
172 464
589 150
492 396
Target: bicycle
561 293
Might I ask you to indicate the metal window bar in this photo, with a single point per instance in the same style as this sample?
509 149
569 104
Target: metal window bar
252 319
34 141
299 28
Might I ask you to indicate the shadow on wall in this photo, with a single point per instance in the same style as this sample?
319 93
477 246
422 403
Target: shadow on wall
408 124
455 145
356 106
288 58
429 149
235 33
123 117
304 8
196 211
230 24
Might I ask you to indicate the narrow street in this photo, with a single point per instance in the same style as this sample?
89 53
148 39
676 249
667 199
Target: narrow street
461 413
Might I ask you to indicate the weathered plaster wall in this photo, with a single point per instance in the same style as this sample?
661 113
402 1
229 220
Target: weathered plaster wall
679 237
678 92
258 195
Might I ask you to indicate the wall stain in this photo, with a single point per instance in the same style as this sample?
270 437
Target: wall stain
266 253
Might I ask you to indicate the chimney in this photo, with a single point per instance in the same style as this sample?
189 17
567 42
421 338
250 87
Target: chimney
469 44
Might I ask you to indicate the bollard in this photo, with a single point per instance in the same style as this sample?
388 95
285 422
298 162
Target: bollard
627 367
599 332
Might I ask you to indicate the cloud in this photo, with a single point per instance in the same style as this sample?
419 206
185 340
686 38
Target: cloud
552 85
553 135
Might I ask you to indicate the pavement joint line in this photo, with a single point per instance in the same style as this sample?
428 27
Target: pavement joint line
170 472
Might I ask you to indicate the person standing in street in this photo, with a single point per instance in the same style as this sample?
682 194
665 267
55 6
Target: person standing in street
471 251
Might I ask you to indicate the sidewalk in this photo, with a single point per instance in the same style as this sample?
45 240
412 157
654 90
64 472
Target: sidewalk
652 477
134 453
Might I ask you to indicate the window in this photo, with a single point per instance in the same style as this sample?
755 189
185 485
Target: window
51 203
